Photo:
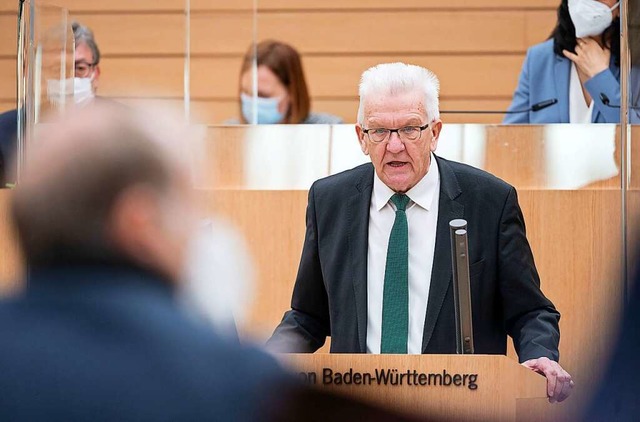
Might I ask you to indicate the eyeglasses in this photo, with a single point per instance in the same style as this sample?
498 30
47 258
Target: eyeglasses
83 69
406 134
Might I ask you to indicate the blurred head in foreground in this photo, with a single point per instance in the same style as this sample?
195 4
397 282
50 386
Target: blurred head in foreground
105 186
105 219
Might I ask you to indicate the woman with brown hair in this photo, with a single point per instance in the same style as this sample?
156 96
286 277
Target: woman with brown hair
282 94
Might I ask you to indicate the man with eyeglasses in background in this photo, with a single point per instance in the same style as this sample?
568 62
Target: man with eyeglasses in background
87 64
375 272
85 85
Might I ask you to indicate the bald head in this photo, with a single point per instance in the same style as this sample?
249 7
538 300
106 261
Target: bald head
103 185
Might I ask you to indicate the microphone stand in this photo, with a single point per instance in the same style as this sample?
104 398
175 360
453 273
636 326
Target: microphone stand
461 287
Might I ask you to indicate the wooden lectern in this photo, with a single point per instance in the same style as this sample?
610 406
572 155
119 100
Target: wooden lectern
472 387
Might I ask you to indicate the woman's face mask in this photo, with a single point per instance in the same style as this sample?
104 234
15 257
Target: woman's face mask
267 109
590 17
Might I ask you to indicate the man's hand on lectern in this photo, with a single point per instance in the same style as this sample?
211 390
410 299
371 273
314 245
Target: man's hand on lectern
559 383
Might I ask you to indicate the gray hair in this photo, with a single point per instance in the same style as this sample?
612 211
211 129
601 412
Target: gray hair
399 78
84 35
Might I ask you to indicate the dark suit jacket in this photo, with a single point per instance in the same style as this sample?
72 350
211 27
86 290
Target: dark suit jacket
8 132
330 294
104 344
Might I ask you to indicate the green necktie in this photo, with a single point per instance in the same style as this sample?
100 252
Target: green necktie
395 300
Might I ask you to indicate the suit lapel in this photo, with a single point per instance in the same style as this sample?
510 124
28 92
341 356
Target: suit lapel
562 69
441 274
358 215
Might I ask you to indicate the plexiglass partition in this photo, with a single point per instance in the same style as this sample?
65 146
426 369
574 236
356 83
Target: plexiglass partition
286 157
632 182
45 68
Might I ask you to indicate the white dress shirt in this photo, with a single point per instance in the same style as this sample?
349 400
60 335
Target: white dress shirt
579 112
422 218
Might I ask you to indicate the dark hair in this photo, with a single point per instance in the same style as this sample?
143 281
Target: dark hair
284 61
564 34
84 35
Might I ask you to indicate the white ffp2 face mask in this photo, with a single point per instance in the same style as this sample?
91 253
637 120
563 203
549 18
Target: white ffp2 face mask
82 89
59 91
590 17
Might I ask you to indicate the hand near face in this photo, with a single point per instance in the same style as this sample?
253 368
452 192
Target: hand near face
589 58
559 383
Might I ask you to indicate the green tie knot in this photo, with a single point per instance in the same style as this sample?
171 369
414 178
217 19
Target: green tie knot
400 200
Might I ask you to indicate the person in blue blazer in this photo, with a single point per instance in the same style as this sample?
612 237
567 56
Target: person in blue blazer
584 49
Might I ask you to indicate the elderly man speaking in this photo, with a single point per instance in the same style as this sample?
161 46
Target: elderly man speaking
375 272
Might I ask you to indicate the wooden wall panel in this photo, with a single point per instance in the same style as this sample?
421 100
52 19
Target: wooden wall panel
175 6
6 105
337 76
215 77
8 32
147 77
328 77
401 4
8 81
92 6
138 34
8 48
517 156
221 33
539 25
404 32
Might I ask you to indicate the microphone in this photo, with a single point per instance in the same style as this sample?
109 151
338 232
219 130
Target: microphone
536 107
461 286
605 100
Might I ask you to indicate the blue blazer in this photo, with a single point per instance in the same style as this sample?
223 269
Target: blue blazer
545 75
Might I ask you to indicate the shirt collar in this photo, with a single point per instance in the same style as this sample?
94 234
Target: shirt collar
422 193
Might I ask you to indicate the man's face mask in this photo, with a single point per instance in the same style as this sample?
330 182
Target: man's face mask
82 89
267 108
590 17
60 91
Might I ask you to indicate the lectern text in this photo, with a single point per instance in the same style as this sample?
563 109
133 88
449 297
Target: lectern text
392 377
